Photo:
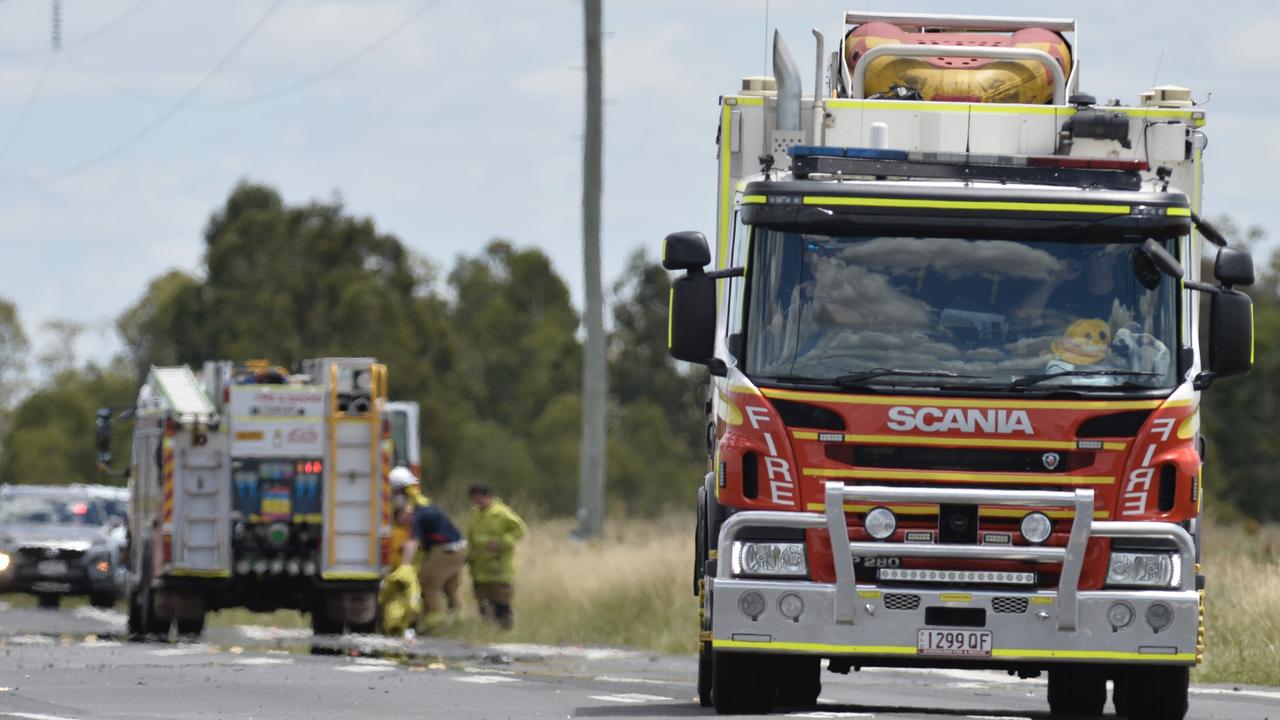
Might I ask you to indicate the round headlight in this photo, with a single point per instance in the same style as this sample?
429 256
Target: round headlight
1159 616
751 604
4 562
790 605
1036 527
880 523
1120 615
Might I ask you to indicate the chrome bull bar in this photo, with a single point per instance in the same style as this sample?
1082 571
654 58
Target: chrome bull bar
1071 557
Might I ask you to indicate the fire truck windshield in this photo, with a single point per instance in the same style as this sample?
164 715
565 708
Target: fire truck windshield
960 312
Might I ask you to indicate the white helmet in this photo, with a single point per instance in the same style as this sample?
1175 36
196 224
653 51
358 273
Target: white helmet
401 477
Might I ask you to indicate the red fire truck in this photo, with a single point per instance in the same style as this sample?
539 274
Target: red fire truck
953 328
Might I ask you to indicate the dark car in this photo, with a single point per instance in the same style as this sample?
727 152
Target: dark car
57 541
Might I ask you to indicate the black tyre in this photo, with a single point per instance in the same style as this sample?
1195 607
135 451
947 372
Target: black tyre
705 660
104 600
1118 695
48 601
1077 691
143 622
799 681
192 628
1156 693
743 683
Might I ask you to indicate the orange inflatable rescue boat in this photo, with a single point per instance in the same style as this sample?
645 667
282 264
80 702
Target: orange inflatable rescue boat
959 79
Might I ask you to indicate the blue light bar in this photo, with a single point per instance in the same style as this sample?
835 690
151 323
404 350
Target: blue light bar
797 151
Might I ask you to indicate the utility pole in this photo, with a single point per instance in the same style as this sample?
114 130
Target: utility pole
594 380
57 25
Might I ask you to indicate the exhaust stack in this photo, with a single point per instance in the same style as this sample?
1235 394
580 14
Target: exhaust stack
788 78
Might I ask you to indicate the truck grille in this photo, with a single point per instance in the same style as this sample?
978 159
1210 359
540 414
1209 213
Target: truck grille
1009 604
901 601
35 554
974 459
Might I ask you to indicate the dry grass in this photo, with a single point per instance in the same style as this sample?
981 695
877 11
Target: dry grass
1242 604
634 589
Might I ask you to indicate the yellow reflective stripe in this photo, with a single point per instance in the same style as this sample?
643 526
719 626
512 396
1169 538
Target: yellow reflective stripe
1178 212
910 650
955 597
933 510
957 442
744 100
191 572
745 390
967 205
886 474
350 576
722 239
814 647
754 200
968 402
1000 109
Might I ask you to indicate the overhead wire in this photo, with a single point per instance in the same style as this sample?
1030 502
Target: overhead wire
162 117
29 103
102 29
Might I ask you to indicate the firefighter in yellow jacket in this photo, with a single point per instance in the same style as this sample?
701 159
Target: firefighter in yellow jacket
493 529
400 595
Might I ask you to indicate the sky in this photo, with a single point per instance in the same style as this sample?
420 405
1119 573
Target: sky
450 122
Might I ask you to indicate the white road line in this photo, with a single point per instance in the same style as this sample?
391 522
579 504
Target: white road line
830 714
101 643
636 681
631 698
485 679
589 653
365 668
183 650
30 640
381 662
32 716
264 661
263 632
102 615
1270 695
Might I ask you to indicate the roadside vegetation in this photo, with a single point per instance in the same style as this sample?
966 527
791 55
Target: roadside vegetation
1242 604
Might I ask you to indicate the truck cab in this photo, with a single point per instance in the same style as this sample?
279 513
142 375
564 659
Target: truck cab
954 340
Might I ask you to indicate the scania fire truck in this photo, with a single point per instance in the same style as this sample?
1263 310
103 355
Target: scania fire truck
256 487
953 328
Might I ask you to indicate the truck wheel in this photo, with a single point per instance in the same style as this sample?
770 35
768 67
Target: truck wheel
742 683
799 681
704 674
1077 690
1118 694
1156 693
48 601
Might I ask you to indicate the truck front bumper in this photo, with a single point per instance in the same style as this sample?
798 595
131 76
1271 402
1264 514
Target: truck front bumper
880 624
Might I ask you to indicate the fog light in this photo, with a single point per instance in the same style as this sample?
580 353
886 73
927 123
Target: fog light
260 566
309 567
4 562
880 523
1159 616
751 604
292 567
242 566
1120 614
790 605
1036 528
277 566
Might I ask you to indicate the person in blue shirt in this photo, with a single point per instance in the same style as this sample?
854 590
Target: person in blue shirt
443 555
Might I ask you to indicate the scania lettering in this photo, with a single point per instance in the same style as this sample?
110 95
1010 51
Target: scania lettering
952 317
932 419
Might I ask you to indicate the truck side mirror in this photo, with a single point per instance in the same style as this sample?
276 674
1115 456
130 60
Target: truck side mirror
1230 332
685 251
1233 266
691 322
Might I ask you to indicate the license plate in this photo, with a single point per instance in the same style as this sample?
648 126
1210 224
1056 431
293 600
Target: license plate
52 568
976 643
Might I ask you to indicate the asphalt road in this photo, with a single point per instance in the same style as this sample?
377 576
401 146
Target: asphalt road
71 665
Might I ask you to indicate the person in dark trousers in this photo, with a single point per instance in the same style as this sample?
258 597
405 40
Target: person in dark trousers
444 554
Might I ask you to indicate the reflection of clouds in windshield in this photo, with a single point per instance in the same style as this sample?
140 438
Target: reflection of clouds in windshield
955 257
851 295
854 350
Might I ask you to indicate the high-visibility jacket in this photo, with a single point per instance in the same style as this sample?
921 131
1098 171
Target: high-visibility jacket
399 600
401 532
496 522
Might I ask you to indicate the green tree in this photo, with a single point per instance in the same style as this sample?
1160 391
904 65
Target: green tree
14 347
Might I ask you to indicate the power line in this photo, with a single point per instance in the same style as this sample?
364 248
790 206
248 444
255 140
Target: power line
101 30
26 106
320 75
162 117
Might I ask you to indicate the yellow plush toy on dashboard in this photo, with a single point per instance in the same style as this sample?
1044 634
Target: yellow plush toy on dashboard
1085 342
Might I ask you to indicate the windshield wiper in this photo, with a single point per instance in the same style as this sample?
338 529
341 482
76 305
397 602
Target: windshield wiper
1029 380
863 376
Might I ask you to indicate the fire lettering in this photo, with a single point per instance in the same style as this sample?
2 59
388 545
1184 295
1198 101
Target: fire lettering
1138 485
782 486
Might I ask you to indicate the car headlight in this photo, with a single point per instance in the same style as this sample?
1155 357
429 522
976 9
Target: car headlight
4 561
1141 569
783 559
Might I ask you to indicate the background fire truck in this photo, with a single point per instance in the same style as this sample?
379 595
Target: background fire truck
954 338
254 487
